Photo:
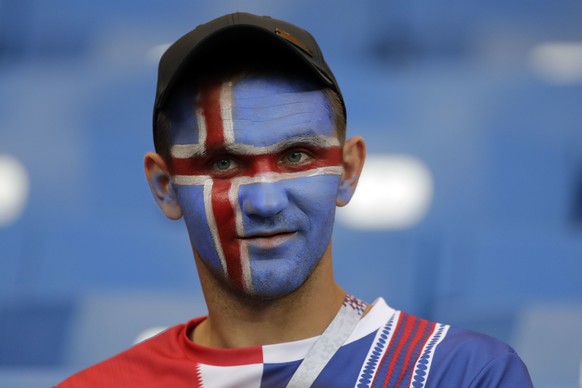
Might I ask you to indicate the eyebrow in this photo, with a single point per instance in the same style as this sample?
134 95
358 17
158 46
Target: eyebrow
199 150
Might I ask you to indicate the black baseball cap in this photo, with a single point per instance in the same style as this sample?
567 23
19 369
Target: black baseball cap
240 31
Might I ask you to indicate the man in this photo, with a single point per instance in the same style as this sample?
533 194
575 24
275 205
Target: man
249 128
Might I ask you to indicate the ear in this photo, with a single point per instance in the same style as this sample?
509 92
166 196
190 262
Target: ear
158 177
354 154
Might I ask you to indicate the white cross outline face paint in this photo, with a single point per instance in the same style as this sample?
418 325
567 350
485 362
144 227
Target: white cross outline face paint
257 180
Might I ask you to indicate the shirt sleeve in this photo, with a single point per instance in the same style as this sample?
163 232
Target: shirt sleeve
469 359
505 371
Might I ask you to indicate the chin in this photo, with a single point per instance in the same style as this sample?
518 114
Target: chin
271 291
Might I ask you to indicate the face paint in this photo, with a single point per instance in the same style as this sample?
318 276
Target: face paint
257 180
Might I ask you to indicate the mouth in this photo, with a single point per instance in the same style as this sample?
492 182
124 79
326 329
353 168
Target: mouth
268 240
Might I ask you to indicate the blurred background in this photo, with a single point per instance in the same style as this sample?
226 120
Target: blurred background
469 211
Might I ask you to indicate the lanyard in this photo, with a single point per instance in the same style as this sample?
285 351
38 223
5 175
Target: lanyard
334 336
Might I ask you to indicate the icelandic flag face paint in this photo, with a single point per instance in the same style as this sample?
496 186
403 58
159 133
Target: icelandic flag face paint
256 171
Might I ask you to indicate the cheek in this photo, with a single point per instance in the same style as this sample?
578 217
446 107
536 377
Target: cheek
191 200
316 197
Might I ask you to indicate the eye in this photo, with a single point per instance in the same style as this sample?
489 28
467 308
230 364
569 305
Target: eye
295 157
223 164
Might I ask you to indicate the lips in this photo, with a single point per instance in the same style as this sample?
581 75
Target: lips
268 240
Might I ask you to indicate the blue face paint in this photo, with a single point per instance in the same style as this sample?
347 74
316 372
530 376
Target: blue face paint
259 183
346 190
307 219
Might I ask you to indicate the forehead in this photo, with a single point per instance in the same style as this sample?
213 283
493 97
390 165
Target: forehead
259 110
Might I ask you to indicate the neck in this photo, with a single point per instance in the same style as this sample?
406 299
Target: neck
236 321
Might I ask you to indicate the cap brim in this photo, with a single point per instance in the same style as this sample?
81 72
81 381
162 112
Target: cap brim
227 44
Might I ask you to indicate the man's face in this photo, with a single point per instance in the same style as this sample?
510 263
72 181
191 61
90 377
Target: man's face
256 168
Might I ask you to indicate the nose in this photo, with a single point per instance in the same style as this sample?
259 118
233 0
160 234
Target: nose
263 199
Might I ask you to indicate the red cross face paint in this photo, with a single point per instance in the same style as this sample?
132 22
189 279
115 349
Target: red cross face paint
257 175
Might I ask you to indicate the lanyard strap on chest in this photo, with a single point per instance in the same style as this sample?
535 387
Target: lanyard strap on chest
334 336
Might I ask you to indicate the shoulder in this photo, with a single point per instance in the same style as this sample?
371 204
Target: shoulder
135 366
432 354
467 358
473 344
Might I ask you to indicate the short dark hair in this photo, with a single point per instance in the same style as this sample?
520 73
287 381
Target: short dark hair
243 60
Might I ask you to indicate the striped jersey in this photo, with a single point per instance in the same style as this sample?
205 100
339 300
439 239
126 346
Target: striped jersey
388 348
